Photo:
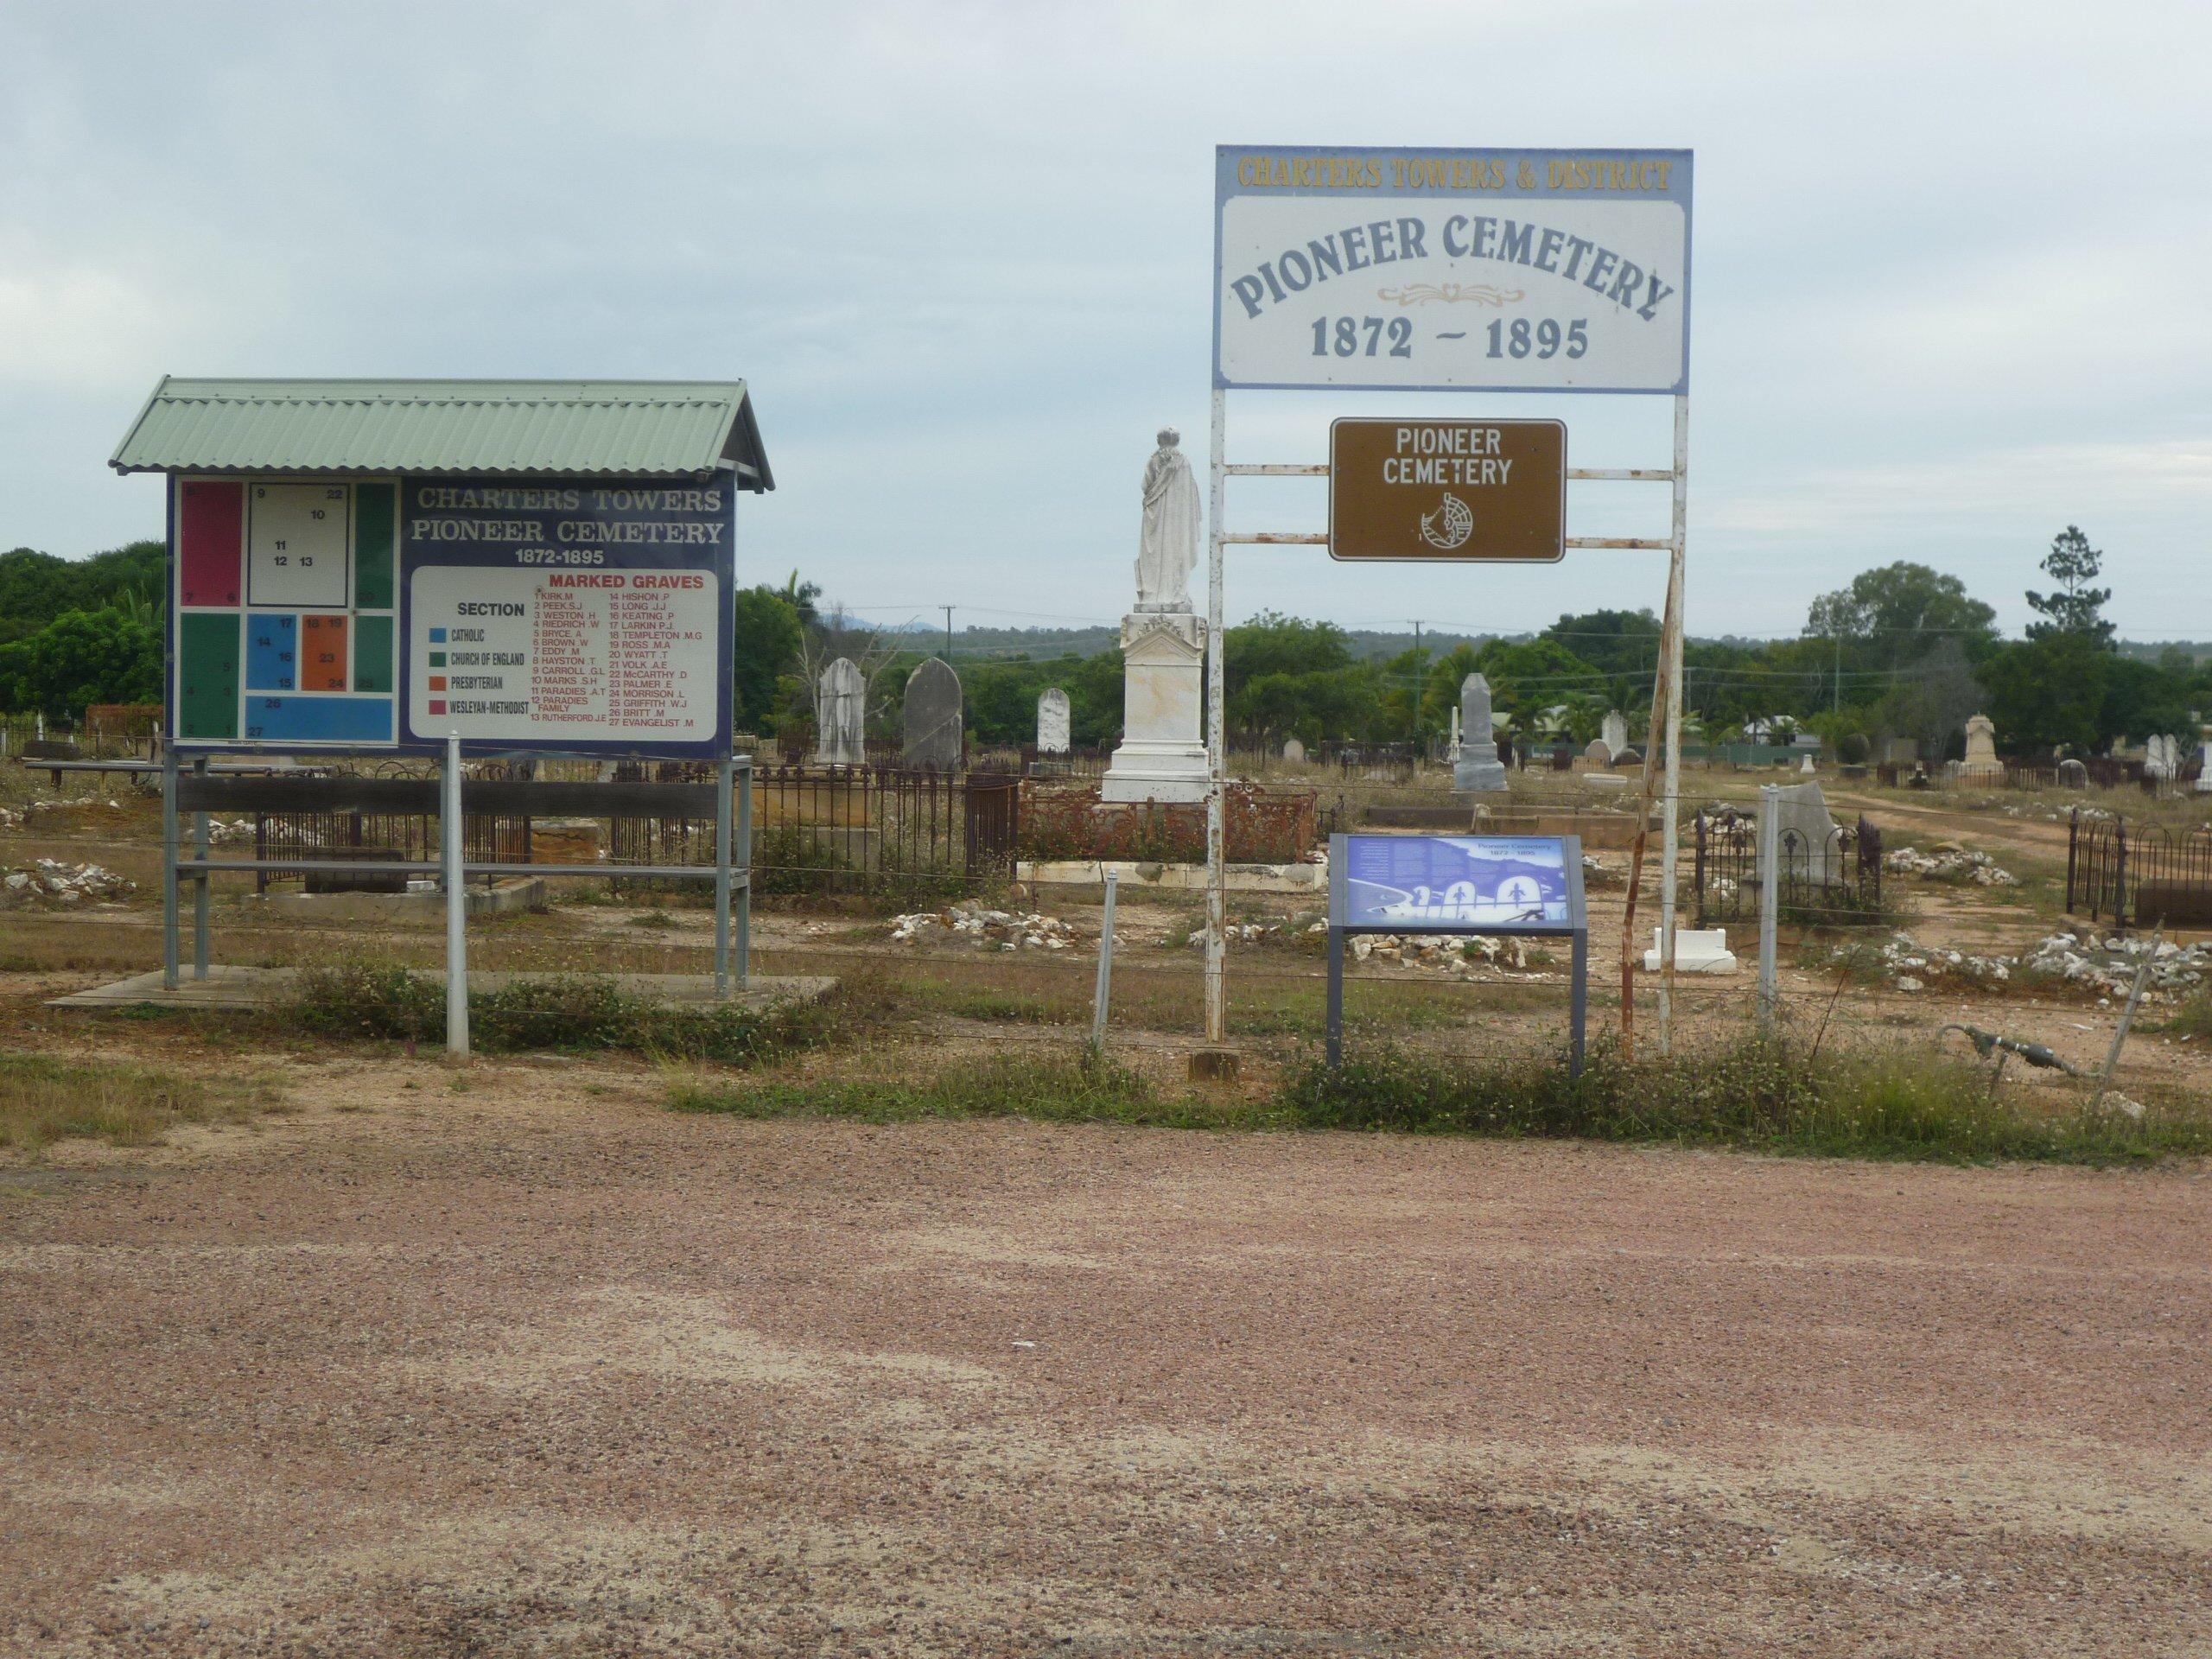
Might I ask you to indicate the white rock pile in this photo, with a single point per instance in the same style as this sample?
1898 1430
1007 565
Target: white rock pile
1462 955
2105 968
973 923
49 884
1949 863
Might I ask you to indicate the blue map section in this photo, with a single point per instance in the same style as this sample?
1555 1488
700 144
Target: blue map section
272 652
320 720
1480 882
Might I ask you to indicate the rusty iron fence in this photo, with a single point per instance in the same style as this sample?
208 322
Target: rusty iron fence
1835 882
2137 876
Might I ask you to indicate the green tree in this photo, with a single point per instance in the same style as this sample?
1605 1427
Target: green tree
81 657
1619 642
764 645
2074 606
2048 691
1901 610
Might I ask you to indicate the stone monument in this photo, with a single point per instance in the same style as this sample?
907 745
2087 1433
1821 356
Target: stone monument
2157 757
1477 771
2204 760
1162 754
840 699
1293 751
2072 774
1614 734
1805 834
1052 722
933 725
1981 765
1599 755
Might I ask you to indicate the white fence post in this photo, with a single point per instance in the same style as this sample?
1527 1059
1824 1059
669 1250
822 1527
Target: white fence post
1102 995
1770 903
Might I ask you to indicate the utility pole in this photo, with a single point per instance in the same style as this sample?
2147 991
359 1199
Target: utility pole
948 634
1836 706
1418 679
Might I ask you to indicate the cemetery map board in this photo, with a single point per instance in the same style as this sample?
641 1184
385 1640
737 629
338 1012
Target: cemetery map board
588 616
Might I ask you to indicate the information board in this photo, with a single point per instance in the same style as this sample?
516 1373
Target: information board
1474 491
578 615
1489 884
1494 269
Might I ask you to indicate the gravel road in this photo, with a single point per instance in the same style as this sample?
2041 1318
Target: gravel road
538 1369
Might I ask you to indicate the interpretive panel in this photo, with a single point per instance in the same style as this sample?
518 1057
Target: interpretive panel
1492 884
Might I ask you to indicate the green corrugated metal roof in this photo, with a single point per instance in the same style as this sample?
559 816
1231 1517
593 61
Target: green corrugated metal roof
639 429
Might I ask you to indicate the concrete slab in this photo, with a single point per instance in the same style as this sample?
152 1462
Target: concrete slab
502 897
260 987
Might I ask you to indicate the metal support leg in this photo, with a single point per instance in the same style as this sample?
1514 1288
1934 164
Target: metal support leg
169 851
456 904
1336 997
200 886
1669 834
745 864
1580 1002
722 776
1769 904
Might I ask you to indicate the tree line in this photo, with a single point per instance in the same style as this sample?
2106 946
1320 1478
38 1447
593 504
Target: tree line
1901 652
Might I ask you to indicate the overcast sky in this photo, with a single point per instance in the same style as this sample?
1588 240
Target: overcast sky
1952 264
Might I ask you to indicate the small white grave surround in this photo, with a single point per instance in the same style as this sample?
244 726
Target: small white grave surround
1697 950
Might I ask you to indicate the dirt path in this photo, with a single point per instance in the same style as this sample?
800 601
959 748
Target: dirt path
540 1369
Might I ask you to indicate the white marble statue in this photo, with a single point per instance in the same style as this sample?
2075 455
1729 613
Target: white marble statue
1168 550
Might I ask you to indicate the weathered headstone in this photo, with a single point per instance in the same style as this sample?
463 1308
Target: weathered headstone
1477 771
1293 751
933 717
2204 760
1052 722
2161 756
1614 734
1599 753
2072 774
1807 768
1981 765
1805 834
839 705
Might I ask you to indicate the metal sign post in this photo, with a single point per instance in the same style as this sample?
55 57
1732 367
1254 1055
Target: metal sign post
1499 270
456 879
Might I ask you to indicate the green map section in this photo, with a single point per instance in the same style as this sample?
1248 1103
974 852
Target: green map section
372 654
208 674
375 517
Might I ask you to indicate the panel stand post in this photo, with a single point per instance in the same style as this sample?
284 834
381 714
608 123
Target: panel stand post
456 904
723 773
1769 904
1335 1046
1670 833
745 864
1101 994
169 851
200 886
1216 752
1581 998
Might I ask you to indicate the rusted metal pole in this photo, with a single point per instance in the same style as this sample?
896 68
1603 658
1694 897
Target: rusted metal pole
1643 834
1216 753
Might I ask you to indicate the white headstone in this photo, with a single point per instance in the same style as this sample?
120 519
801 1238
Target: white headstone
1807 768
1052 722
1697 950
1982 766
1293 751
1806 835
1614 734
2204 760
1477 771
839 699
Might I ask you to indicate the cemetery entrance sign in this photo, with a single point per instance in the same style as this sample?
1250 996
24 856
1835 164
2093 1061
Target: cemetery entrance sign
1436 269
1480 491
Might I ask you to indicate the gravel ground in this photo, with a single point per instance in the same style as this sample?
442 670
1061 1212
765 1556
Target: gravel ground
538 1369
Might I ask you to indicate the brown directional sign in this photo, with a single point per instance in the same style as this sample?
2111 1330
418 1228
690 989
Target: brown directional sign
1447 490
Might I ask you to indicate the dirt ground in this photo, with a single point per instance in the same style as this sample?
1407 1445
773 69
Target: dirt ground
511 1360
540 1367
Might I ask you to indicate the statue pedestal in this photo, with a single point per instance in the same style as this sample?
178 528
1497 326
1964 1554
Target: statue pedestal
1162 753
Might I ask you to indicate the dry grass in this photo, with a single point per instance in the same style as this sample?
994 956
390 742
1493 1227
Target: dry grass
44 1100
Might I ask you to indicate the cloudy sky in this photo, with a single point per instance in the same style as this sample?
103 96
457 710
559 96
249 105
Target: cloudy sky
1951 267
